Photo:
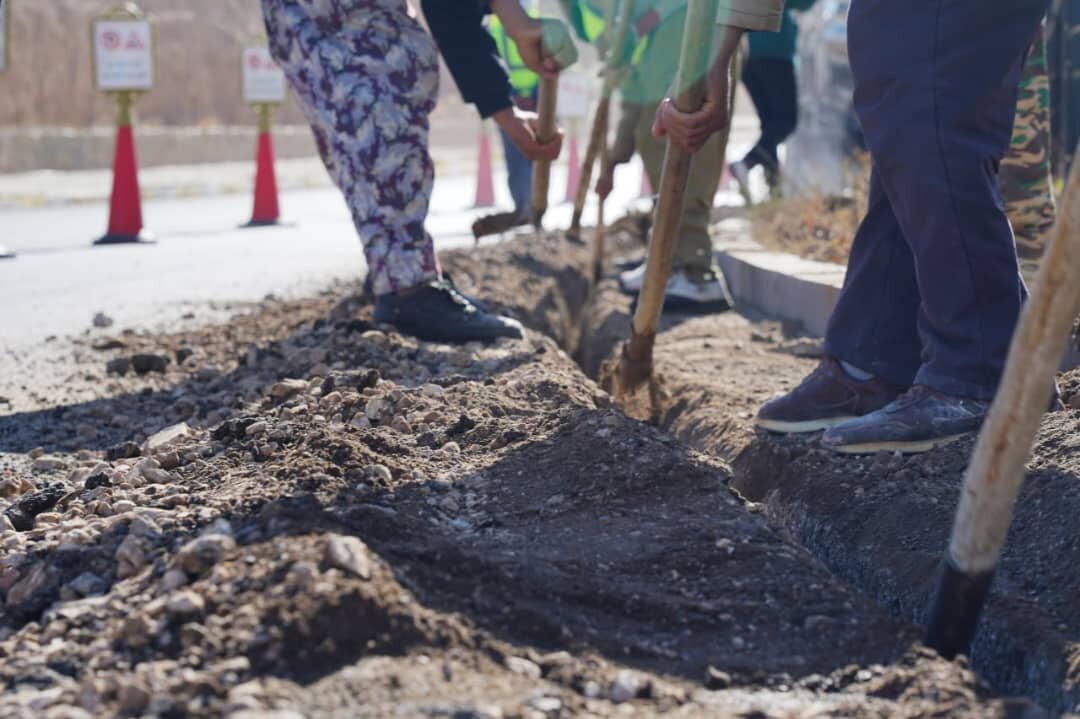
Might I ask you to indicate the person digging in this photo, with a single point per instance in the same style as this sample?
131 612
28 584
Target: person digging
366 75
696 283
917 342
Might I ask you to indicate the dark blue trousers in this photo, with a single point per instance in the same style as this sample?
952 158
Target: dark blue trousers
933 290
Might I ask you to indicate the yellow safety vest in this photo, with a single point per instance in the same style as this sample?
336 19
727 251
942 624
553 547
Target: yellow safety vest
522 79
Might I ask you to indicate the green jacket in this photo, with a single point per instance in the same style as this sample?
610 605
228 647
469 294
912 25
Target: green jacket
779 45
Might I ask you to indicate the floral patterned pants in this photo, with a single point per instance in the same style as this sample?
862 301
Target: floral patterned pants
366 75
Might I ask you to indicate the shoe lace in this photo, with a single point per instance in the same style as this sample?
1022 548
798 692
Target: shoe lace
447 291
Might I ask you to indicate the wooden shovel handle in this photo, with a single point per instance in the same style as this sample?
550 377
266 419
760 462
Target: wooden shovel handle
693 67
547 131
619 36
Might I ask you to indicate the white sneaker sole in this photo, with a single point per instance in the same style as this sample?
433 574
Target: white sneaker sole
902 447
812 425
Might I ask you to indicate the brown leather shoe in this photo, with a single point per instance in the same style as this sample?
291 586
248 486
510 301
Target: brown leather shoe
827 397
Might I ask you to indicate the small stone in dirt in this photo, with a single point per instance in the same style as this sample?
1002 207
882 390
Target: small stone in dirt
118 365
432 390
102 320
257 429
350 554
288 388
29 584
716 679
380 473
124 450
108 343
524 667
170 434
202 553
452 448
88 584
463 424
183 353
184 604
624 688
427 439
173 579
133 698
34 504
546 705
147 362
130 557
48 464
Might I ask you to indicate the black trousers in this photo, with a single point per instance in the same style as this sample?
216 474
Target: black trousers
771 84
933 289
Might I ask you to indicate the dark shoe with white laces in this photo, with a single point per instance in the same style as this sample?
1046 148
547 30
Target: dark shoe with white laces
436 312
918 421
827 397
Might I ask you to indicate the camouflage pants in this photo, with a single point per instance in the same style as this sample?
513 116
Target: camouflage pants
1025 171
366 75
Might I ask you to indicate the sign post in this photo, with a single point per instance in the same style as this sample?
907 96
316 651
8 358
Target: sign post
5 49
264 88
123 46
5 34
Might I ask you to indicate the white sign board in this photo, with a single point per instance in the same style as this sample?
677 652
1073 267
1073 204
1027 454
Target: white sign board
123 55
264 82
574 92
5 28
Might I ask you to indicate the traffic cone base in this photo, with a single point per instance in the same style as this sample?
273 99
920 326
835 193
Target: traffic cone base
266 210
6 254
143 237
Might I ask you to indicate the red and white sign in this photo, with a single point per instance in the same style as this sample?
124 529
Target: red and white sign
264 82
575 89
123 55
5 28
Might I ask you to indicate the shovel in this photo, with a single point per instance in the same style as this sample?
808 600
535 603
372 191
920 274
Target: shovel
636 361
547 130
994 477
599 132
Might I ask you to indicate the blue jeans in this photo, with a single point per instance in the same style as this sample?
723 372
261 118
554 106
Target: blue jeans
933 290
519 173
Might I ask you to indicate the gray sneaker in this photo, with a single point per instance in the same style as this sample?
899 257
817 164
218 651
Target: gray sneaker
917 421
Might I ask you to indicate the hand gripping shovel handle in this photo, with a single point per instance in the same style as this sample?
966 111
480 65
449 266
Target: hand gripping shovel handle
547 131
636 362
994 477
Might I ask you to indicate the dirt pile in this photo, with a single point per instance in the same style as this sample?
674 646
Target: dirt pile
305 513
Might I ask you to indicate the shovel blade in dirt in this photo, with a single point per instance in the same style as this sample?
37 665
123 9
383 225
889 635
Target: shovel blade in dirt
993 479
499 222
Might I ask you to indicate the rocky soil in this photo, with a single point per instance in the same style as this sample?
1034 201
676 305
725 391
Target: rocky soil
297 513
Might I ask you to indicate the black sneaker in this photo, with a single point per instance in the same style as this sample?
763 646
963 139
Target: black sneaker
436 312
917 421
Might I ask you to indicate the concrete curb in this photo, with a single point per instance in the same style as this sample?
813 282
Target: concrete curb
777 283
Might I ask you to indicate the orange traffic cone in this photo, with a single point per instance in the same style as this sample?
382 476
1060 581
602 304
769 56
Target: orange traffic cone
573 178
125 205
266 210
485 184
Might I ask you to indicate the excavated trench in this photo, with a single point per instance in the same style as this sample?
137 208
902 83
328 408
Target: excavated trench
878 523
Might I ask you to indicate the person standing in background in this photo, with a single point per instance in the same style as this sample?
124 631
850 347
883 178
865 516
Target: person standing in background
1026 182
769 77
525 85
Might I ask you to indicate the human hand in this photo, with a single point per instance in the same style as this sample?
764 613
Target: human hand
692 130
545 45
522 127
